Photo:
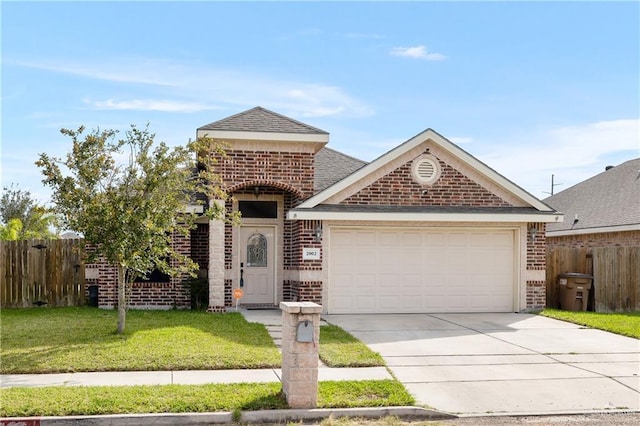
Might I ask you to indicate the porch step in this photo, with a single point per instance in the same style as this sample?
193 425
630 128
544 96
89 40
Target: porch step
275 331
272 321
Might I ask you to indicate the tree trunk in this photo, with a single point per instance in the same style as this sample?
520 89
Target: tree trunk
122 298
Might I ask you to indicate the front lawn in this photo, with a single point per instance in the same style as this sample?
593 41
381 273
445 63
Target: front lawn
626 324
48 340
63 401
53 340
340 349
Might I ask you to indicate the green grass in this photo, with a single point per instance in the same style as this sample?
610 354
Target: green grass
62 401
54 340
363 393
626 324
340 349
48 340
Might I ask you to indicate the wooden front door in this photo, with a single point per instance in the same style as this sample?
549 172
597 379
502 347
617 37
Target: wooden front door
257 264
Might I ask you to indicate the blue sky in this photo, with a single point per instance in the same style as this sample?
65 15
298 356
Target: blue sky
532 89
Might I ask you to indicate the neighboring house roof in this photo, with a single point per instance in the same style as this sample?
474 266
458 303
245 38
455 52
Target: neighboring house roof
607 202
331 166
261 120
68 235
315 207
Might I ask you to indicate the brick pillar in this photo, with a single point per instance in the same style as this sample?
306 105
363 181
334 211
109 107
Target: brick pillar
300 358
216 263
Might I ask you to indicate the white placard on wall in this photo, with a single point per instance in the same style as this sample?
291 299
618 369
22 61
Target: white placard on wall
311 253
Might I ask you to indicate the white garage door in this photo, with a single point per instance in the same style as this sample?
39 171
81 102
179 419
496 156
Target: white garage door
385 270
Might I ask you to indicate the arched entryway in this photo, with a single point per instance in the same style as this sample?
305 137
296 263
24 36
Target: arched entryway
256 250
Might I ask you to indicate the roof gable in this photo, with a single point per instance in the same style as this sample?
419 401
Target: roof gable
442 148
452 187
610 199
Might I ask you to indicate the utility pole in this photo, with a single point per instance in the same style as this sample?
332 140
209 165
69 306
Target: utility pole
553 185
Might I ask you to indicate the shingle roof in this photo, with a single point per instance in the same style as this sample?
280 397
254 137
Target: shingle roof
611 198
259 119
331 166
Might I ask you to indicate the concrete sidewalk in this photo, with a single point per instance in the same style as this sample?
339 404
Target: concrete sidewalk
192 377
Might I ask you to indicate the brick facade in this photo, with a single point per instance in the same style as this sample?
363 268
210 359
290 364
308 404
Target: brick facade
536 294
142 295
453 188
284 170
536 297
276 173
200 246
603 239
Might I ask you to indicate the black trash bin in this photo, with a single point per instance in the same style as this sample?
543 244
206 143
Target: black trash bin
574 291
93 296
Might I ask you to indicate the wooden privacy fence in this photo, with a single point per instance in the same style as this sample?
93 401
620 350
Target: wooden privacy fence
41 272
615 271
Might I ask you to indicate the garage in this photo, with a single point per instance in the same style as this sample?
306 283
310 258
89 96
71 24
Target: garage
413 270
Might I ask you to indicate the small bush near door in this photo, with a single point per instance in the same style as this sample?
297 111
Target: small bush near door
198 289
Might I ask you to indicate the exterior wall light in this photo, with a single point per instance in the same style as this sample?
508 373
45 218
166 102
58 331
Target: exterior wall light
533 231
317 233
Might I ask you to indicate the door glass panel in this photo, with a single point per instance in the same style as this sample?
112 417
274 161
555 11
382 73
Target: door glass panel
257 251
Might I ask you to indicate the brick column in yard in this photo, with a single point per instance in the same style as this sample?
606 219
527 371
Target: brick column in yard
300 341
216 263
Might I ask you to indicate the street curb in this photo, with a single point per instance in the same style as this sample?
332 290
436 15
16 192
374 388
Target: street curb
263 416
277 416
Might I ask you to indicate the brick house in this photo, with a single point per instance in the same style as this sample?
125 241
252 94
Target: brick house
601 211
601 238
426 227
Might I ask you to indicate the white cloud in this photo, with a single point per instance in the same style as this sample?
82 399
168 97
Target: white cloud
151 105
191 82
572 153
150 75
417 52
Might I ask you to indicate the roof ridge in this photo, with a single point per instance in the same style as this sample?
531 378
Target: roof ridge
263 120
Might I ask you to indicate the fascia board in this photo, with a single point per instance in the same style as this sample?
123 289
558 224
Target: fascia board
263 136
599 230
299 214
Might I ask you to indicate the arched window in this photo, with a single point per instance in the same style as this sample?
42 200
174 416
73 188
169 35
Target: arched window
257 250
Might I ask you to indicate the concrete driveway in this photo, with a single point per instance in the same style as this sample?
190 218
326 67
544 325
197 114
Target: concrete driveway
476 364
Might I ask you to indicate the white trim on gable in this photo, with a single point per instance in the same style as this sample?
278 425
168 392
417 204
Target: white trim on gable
413 143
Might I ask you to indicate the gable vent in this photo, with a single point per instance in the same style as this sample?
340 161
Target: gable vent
425 169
